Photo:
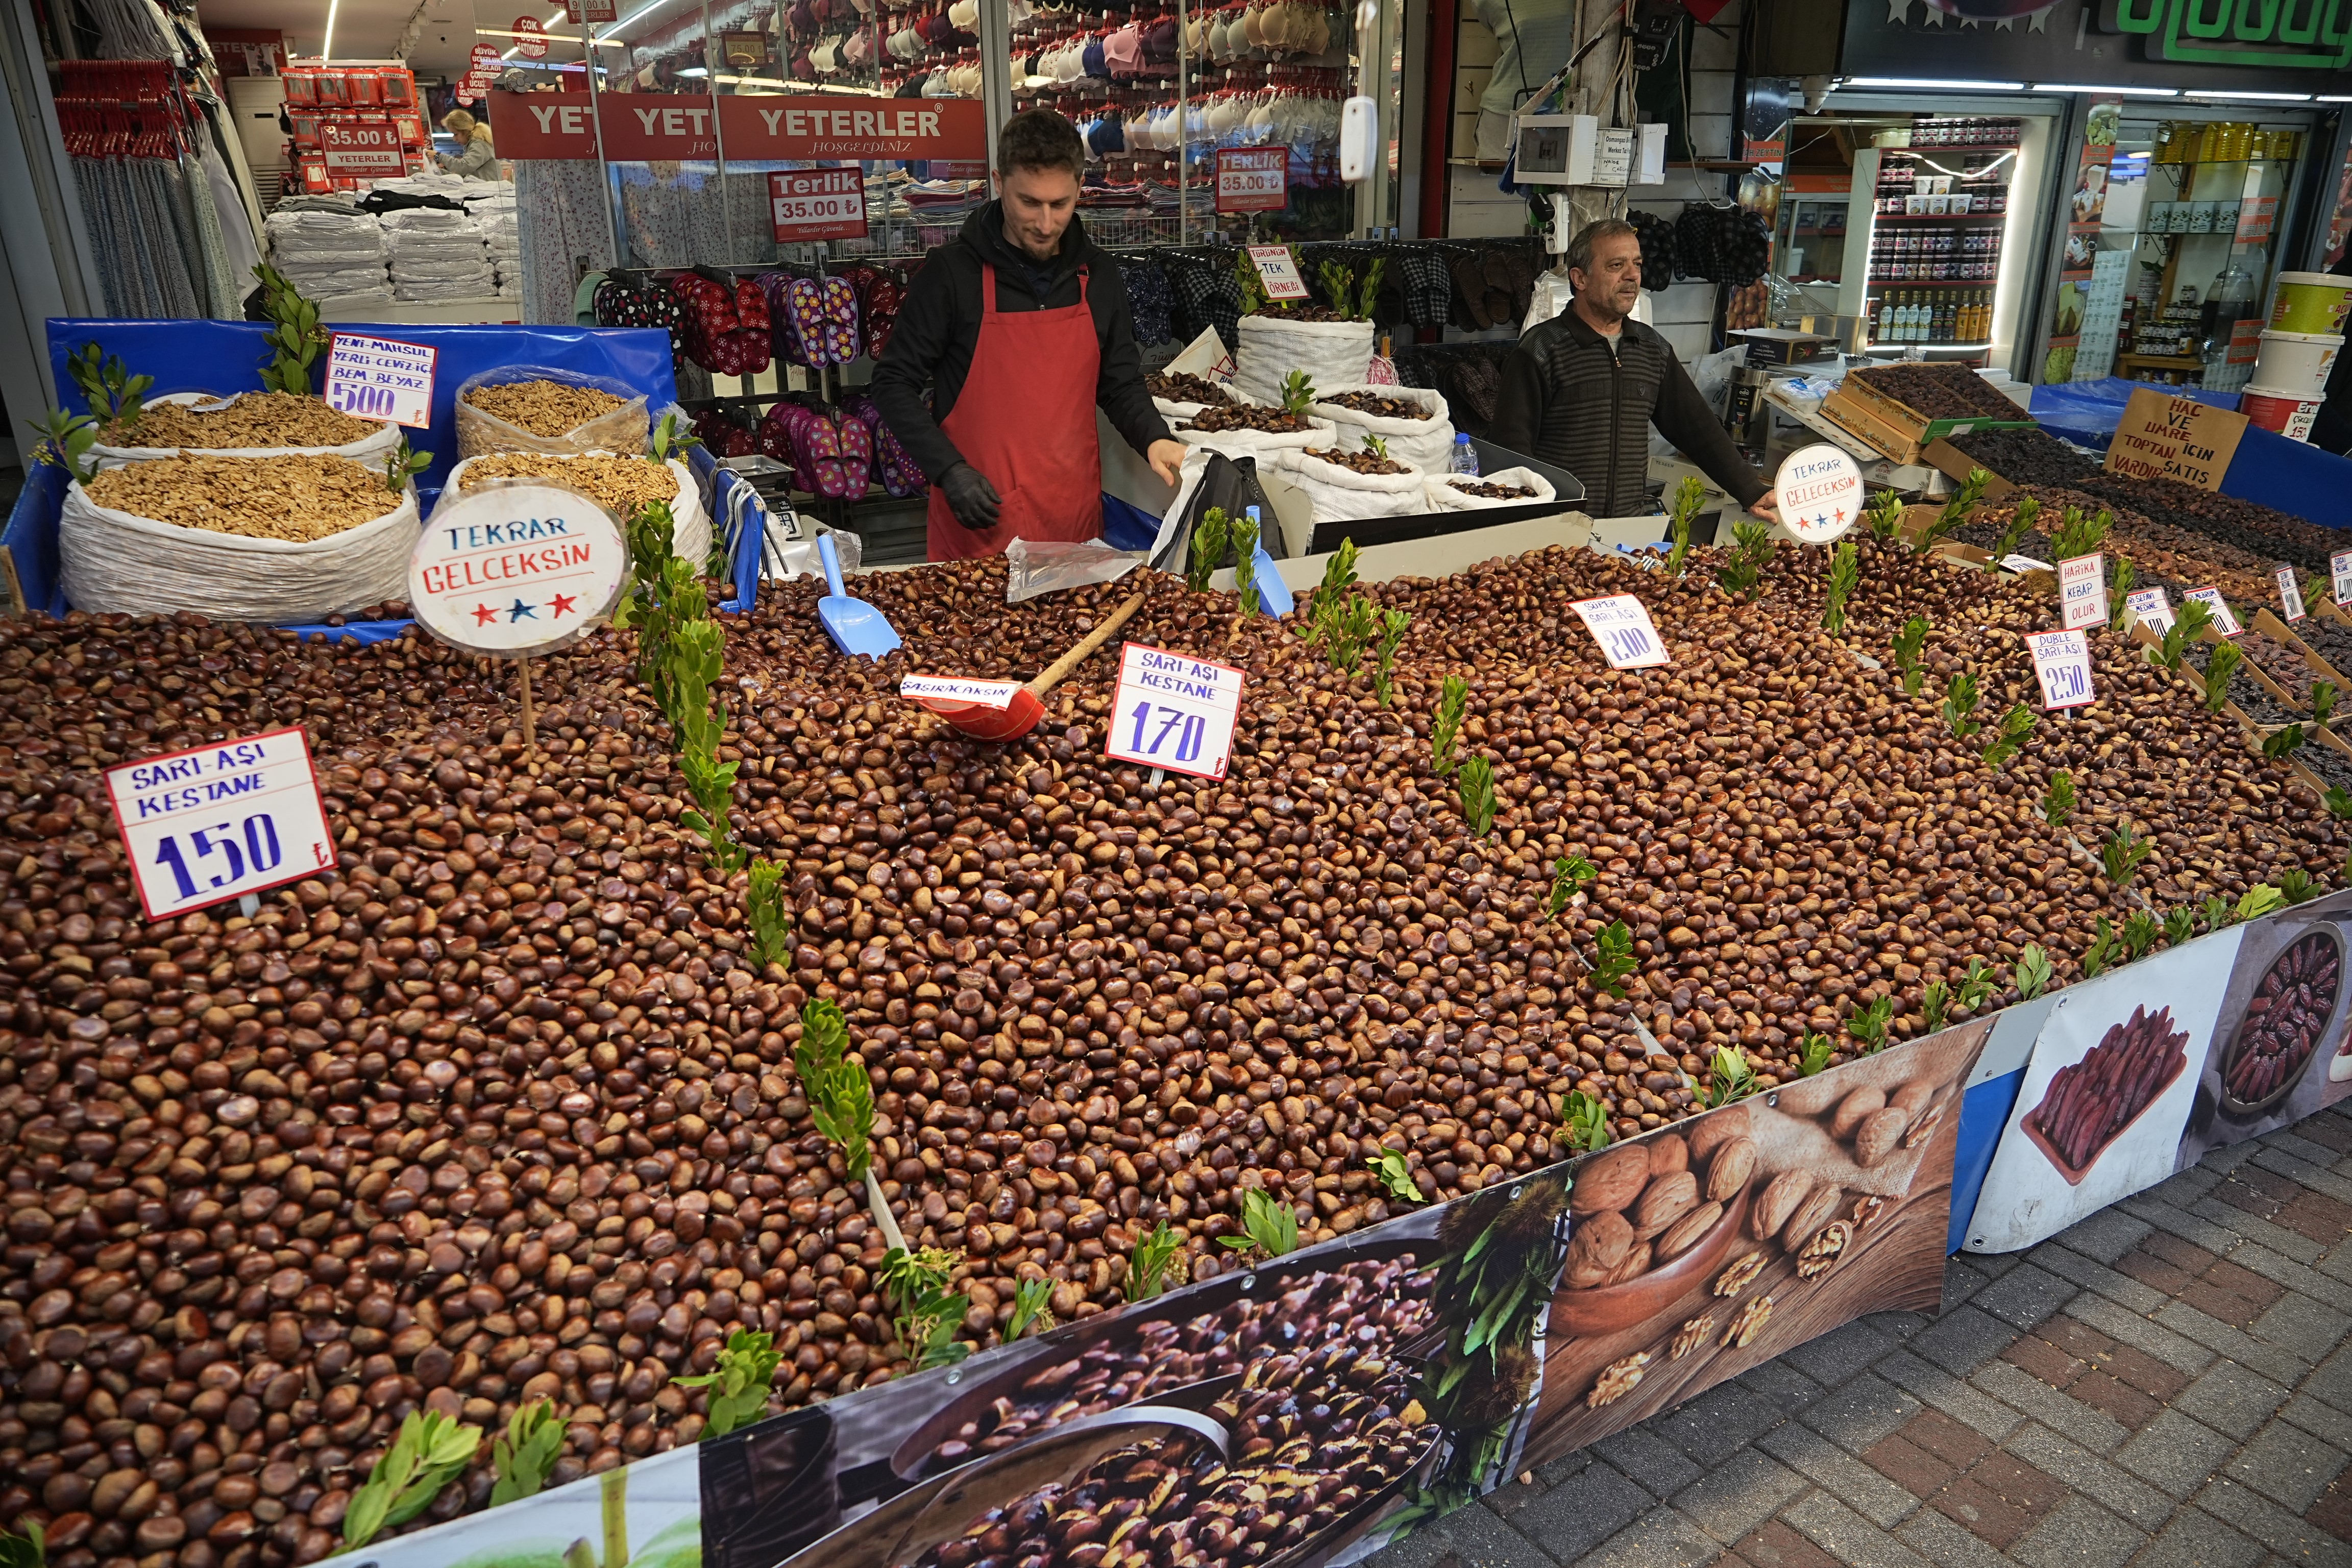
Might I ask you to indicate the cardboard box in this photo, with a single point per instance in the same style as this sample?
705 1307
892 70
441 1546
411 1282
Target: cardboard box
1783 345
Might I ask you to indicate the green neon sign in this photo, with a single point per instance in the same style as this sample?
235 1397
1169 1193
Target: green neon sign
2284 35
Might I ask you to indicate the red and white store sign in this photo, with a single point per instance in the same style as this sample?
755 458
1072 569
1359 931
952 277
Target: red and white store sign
817 204
531 38
645 127
360 149
1253 179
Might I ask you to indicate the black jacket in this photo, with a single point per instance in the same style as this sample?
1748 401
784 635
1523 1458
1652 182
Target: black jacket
1567 399
938 327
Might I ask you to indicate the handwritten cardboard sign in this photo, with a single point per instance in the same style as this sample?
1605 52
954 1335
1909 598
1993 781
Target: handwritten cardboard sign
2161 437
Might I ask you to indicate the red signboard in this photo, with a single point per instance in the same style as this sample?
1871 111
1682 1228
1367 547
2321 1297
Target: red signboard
360 149
643 127
533 40
817 204
1253 179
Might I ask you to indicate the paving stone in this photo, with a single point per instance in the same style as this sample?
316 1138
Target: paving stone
1941 1541
2294 1276
2080 1535
1847 1536
2333 1512
1581 1512
2254 1514
1858 1414
2131 1365
2323 1421
1825 1464
1900 1327
1659 1538
1719 1423
2024 1296
2197 1539
1963 1339
2130 1328
2038 1358
1788 1389
2287 1465
2254 1225
1915 1470
2152 1207
1739 1494
2093 1275
1999 1500
1551 1472
2175 1455
1777 1546
2271 1361
2128 1407
2232 1399
2274 1155
2104 1235
1655 1465
1831 1359
2095 1429
1965 1276
1467 1538
2300 1324
2083 1471
1949 1395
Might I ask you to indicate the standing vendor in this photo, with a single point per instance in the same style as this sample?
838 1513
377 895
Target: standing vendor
1020 325
1582 390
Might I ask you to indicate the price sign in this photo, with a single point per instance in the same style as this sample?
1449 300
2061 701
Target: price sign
2082 592
2290 596
380 378
595 12
956 691
1253 179
360 149
2021 565
1621 626
531 38
516 569
2061 662
817 204
2150 606
2340 567
1174 711
2223 621
1818 492
215 823
1278 272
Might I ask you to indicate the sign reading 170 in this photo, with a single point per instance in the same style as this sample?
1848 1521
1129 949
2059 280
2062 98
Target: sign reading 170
1174 711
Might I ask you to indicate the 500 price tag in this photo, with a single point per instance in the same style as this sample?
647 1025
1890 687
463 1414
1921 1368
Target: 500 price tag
380 378
2223 621
1174 711
1621 624
217 822
2061 662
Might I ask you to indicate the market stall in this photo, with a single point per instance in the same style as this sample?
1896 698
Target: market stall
684 1096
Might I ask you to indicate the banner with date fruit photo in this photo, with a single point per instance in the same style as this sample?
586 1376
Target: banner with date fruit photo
2282 1048
2105 1094
1704 1249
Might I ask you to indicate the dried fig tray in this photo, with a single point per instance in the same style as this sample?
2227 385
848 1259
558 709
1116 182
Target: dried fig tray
2083 1112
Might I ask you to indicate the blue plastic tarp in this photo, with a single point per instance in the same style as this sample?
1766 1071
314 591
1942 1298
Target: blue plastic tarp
222 357
2087 412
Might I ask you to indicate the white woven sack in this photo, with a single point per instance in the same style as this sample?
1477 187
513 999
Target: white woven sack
1340 494
690 531
369 451
623 429
113 562
1332 353
1444 496
1426 443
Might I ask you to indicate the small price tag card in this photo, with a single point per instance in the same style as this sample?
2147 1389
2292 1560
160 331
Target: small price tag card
2149 605
1174 711
224 820
2339 566
380 378
1253 179
2223 621
2082 592
1278 272
817 204
1621 624
2021 565
2290 596
953 691
2061 662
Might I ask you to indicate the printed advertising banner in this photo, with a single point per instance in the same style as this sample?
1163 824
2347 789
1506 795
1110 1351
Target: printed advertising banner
641 127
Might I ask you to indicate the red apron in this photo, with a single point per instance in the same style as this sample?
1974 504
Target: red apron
1026 418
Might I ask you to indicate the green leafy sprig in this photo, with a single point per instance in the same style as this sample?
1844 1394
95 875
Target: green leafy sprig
739 1386
1812 1054
401 465
769 911
1960 699
1955 512
2015 725
1845 572
430 1451
1570 874
2122 853
1731 1078
1148 1265
1212 537
65 442
1477 787
2021 524
1030 1300
1269 1223
1616 945
1244 532
2220 666
2058 800
2282 744
2033 973
1452 703
1909 643
840 1096
1389 1165
525 1452
295 337
1586 1121
1868 1025
112 393
1394 626
1689 494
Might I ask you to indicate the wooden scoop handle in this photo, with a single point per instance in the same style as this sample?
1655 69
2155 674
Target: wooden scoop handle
1051 675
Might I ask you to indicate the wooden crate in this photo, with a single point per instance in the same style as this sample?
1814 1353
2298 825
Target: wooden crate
1922 428
2272 625
1860 419
1956 466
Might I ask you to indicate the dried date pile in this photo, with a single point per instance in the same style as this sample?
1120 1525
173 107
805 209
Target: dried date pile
498 1108
1175 387
1940 391
2258 530
2025 456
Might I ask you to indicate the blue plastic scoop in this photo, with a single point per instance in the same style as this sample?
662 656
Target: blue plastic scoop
855 626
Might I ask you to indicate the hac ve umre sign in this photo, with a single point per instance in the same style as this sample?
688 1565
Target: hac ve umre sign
2161 437
646 126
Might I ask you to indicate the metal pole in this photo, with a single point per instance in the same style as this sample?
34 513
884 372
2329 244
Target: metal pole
995 68
1183 132
604 166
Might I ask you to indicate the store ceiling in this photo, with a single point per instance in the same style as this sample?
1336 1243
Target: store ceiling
373 29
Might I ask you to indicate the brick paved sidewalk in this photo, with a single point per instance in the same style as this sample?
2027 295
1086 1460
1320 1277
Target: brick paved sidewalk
2167 1385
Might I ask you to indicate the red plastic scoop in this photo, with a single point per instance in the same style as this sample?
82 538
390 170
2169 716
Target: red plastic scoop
1002 710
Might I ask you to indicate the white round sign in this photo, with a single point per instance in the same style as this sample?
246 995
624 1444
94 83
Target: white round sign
517 569
1819 493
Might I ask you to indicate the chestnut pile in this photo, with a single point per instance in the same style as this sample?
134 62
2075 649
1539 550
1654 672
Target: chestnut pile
1175 387
1247 416
1378 406
1363 460
498 1108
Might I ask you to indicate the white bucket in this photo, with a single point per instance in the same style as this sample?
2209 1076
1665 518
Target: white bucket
2288 413
2296 362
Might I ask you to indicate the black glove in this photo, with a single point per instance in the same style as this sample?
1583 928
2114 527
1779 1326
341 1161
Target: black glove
970 496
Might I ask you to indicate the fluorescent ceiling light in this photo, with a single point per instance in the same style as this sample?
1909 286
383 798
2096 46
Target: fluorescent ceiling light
2107 91
694 70
327 49
751 81
551 37
632 15
2335 98
2259 97
1948 84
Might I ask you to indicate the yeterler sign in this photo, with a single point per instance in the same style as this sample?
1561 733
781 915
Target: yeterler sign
644 127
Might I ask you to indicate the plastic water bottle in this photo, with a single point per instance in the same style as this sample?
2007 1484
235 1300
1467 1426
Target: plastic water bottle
1466 456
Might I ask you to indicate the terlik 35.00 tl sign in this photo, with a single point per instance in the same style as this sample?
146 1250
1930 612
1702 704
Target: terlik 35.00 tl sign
645 127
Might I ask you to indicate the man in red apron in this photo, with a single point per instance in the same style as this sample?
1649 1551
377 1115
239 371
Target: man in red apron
1020 326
